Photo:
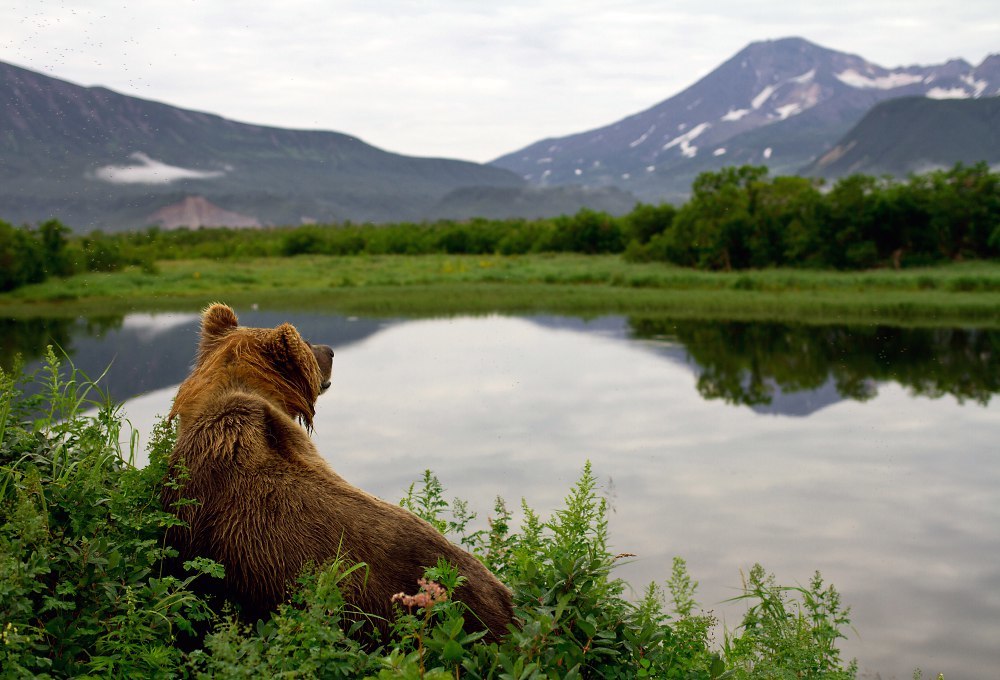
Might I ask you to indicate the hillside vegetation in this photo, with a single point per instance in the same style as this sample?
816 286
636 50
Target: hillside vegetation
915 134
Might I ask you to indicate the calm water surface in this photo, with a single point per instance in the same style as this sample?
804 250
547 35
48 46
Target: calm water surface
868 454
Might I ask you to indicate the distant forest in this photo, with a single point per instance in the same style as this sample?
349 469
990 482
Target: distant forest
737 218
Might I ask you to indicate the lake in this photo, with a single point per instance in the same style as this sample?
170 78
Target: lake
867 453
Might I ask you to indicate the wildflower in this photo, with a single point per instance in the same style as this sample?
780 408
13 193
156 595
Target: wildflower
430 593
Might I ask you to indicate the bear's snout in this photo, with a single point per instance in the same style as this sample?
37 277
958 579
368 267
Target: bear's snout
324 357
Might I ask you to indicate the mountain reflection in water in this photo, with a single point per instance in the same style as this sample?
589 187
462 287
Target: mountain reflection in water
889 484
748 363
789 369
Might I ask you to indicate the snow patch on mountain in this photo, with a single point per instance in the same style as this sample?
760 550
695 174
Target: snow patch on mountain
735 114
764 95
148 170
886 82
978 86
684 141
804 78
642 138
949 93
788 110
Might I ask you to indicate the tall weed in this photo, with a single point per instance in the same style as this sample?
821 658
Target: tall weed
81 538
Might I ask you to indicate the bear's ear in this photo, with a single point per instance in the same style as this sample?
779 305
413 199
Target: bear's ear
285 345
216 321
298 368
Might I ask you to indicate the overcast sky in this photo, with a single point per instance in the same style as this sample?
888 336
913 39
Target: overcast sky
465 79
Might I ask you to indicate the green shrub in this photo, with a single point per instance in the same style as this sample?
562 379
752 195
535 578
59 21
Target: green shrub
782 638
81 593
81 538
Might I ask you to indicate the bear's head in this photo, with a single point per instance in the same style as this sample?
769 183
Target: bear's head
275 363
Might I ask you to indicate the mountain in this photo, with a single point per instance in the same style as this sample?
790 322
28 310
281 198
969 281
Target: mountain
98 159
913 135
780 103
500 203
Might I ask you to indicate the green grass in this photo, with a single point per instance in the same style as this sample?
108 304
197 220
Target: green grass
430 285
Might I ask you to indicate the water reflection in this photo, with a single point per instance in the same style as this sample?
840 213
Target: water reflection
771 367
747 363
27 338
895 497
141 353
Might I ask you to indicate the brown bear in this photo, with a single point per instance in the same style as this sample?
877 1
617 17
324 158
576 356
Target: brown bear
267 503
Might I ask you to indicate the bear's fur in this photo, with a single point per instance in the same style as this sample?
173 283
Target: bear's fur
268 504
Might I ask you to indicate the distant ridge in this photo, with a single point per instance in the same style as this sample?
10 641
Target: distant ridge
95 158
531 202
780 103
914 135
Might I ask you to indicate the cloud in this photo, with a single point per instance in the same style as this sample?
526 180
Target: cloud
150 171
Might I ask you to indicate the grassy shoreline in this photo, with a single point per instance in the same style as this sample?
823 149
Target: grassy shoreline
579 285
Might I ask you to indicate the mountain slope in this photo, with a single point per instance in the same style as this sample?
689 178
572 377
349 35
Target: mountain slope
98 159
501 203
915 134
779 103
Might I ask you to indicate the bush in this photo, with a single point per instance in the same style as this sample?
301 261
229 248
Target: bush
81 538
789 639
81 594
101 253
585 232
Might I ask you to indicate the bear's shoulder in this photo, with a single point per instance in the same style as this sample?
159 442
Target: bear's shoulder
238 427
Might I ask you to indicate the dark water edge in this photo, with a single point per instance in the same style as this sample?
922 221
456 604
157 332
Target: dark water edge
764 365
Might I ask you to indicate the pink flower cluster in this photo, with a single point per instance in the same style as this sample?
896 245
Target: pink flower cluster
430 594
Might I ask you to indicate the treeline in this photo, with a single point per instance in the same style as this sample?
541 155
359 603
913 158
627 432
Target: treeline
737 218
33 254
585 232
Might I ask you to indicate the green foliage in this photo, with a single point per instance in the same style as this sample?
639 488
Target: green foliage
313 635
574 618
427 502
781 638
81 594
100 253
736 218
586 232
22 259
31 255
81 539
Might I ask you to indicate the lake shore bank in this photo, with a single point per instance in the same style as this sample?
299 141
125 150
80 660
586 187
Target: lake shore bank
580 285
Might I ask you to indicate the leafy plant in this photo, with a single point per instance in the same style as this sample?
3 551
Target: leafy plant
82 594
81 540
789 638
